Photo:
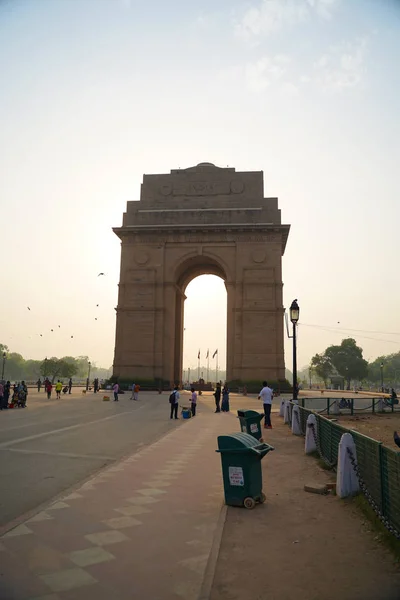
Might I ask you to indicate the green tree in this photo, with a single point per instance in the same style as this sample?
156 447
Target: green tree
322 366
58 367
348 361
14 366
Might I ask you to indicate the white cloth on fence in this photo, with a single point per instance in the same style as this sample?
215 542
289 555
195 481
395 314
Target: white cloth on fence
282 408
296 429
334 408
309 444
346 479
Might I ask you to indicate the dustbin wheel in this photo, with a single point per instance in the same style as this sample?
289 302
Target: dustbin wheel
249 502
263 498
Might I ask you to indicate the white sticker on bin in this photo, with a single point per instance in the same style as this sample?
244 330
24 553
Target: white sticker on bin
236 476
253 427
244 428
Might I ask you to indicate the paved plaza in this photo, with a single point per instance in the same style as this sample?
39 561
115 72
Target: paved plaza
151 523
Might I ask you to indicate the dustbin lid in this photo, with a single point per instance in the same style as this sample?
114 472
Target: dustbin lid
242 442
249 413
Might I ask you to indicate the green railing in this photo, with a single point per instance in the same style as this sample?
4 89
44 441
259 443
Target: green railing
379 466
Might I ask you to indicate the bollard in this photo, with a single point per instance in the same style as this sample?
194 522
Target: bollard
310 446
286 416
296 430
346 478
282 408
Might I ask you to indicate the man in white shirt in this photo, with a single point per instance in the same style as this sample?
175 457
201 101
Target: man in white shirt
266 396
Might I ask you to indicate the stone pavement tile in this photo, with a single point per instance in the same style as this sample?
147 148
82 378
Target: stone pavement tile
18 531
122 522
142 500
73 496
58 506
47 597
20 585
104 538
90 556
42 559
63 543
130 510
151 492
72 521
68 579
41 516
96 591
188 525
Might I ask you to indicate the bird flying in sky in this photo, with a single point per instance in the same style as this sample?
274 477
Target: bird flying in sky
100 274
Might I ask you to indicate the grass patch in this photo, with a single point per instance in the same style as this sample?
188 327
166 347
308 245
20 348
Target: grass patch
321 463
383 535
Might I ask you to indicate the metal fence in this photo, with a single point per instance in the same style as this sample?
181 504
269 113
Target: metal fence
349 406
378 466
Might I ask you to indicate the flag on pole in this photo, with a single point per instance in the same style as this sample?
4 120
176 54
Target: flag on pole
208 352
216 352
198 356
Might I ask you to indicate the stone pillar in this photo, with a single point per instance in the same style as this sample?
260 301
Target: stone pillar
230 330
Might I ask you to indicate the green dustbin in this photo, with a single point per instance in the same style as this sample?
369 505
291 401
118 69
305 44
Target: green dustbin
250 422
241 456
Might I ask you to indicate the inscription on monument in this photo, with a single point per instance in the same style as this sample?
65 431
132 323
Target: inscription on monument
202 188
199 237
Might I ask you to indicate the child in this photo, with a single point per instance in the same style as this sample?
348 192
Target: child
193 401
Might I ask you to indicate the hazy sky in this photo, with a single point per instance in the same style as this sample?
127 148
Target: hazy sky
97 92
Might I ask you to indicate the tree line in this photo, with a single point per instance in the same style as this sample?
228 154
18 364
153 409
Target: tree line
17 368
346 360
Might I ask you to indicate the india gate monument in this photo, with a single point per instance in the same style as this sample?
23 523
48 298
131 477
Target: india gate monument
190 222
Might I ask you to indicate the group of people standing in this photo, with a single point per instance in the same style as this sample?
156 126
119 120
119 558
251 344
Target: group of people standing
18 397
224 392
135 388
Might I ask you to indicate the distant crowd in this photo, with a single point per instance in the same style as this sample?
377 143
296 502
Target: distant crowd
13 395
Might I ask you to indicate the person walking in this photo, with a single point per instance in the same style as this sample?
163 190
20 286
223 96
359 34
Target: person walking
1 395
69 385
133 392
116 390
174 401
6 394
59 387
225 399
22 394
39 384
193 400
49 389
266 396
217 396
136 391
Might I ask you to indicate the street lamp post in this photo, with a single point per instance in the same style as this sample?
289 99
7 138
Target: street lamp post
4 364
309 373
294 317
382 377
88 376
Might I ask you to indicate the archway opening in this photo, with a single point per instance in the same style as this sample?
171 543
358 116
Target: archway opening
204 330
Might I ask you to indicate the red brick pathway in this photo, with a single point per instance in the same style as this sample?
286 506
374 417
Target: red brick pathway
141 529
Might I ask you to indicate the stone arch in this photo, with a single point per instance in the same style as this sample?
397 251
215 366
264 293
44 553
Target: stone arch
197 265
190 222
187 270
